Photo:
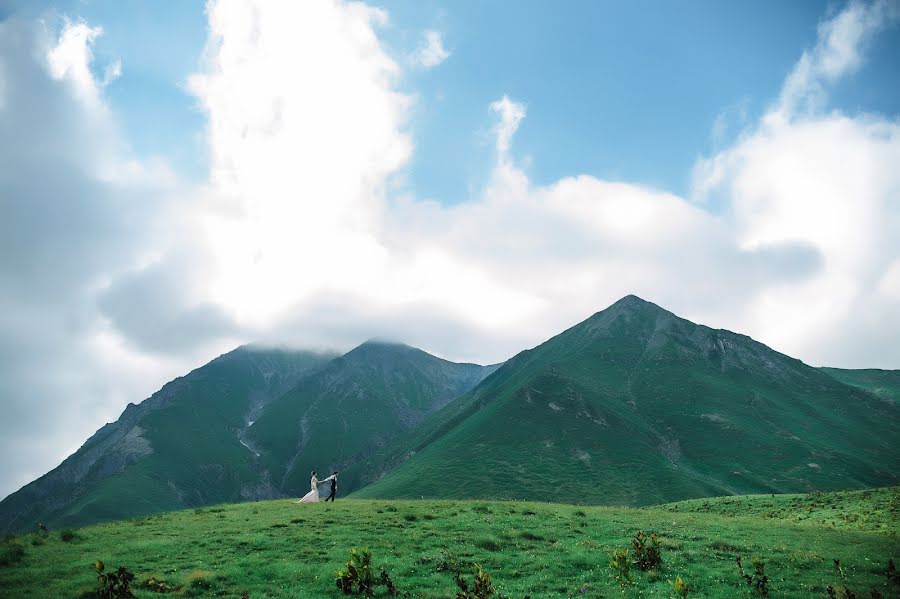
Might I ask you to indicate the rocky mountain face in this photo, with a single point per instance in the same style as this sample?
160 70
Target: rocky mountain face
637 406
196 441
354 406
164 452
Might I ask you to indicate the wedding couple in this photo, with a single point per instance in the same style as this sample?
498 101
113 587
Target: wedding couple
313 495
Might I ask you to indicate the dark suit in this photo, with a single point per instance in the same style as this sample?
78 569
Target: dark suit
333 479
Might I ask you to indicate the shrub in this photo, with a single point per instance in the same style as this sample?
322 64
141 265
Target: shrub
679 587
11 553
646 551
357 578
758 580
488 544
482 586
67 535
157 585
198 581
113 585
839 592
892 573
620 567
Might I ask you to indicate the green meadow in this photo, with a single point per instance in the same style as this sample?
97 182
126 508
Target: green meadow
280 549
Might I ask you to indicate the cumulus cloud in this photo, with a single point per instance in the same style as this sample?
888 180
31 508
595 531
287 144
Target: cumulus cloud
77 208
837 53
115 278
431 52
821 178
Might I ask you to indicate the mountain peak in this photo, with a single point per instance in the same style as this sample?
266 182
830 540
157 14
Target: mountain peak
632 301
380 343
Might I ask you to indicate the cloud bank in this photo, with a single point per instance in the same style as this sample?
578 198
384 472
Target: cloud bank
116 277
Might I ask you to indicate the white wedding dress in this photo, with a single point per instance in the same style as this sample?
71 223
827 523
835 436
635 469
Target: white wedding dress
313 495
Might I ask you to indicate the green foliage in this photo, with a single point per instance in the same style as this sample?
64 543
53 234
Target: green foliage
646 551
113 585
243 554
869 509
679 587
11 553
620 567
358 578
892 573
482 587
839 592
67 535
758 580
157 585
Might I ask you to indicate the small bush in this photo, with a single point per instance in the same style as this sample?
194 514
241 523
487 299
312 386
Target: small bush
679 587
620 567
758 580
67 535
113 585
11 553
157 585
892 573
839 592
646 551
482 586
410 517
488 544
199 583
357 577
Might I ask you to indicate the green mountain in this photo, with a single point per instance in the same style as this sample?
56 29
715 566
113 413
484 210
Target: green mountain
352 407
181 447
637 406
883 383
247 426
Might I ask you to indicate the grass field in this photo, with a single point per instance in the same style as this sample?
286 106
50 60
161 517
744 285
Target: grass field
281 549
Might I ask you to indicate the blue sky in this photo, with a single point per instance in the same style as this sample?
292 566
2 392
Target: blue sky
470 178
620 90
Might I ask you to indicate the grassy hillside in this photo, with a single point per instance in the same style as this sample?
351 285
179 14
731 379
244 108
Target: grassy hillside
872 510
355 405
883 383
636 406
181 447
279 549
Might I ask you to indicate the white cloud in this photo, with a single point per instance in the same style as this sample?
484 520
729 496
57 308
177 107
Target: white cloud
837 53
112 72
77 209
510 116
431 52
298 235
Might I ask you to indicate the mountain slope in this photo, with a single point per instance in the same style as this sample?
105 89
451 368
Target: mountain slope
181 447
883 383
637 406
355 405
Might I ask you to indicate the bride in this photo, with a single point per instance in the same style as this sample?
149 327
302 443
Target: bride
313 495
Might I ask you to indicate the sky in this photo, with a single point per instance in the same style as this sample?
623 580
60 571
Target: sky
470 178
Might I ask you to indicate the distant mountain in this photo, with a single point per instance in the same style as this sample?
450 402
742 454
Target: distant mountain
181 447
192 443
883 383
638 406
352 407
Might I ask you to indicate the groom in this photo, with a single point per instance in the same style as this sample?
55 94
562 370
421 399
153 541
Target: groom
333 479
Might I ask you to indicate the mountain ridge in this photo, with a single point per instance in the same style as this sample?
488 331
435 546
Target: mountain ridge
669 383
